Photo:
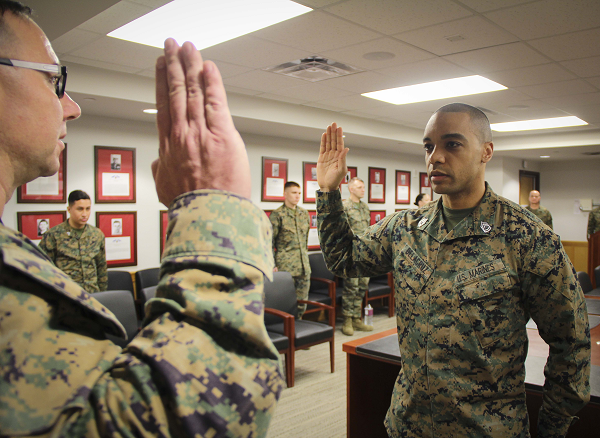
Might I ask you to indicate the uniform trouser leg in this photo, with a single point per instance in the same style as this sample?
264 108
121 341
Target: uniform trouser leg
302 284
352 296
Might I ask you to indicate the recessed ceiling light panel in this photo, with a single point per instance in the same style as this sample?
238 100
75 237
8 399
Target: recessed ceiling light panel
436 90
207 22
529 125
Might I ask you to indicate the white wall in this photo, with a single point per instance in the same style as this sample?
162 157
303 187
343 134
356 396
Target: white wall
561 183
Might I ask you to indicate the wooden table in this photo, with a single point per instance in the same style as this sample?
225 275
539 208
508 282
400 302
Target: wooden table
371 376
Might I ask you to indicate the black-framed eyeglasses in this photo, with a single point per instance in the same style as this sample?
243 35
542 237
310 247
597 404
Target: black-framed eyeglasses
60 72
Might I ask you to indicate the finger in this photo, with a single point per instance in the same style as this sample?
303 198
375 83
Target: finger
340 139
163 118
176 82
192 64
218 116
323 148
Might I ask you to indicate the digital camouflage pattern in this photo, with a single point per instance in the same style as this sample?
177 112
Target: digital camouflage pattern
302 285
543 214
202 365
359 217
463 300
594 221
290 239
81 255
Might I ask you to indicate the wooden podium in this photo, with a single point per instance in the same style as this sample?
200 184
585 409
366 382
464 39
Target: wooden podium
593 256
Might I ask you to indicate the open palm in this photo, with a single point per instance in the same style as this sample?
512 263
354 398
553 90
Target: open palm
331 166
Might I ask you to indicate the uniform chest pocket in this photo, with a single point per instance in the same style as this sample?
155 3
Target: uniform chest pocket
488 304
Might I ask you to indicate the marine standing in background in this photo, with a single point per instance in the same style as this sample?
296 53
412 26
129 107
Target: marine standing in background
422 199
470 270
359 218
291 224
535 208
78 248
593 222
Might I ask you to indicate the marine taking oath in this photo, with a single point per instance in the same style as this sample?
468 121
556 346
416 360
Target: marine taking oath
470 270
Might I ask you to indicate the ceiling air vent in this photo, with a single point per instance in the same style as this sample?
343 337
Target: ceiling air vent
313 69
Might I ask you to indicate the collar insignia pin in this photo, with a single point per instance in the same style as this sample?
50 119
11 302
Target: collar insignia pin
422 222
485 227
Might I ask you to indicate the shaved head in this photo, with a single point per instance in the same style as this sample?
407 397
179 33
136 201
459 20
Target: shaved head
7 35
479 121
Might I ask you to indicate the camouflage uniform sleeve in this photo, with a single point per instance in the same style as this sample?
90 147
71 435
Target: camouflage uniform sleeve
345 253
101 268
557 305
274 219
48 246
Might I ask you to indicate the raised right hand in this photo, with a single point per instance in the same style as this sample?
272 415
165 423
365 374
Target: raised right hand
331 166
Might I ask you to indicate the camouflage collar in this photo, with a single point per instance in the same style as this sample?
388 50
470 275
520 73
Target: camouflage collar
481 222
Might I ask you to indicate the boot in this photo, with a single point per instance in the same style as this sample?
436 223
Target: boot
357 324
347 328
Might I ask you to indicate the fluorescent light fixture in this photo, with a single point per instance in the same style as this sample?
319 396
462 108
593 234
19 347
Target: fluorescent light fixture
436 90
528 125
544 156
206 22
150 111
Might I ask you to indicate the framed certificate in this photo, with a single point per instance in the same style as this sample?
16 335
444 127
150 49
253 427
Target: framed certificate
376 185
425 184
309 176
164 225
402 187
352 173
35 224
313 233
49 189
376 216
114 174
274 177
120 232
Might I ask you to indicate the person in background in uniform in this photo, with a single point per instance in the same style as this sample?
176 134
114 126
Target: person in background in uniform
535 208
470 270
78 248
291 224
422 199
593 222
354 290
203 364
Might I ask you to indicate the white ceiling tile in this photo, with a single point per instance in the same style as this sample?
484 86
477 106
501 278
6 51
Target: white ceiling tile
316 3
575 45
353 102
149 73
425 71
354 55
316 32
262 81
393 16
553 89
73 40
151 3
238 90
490 5
589 113
475 31
115 17
584 68
594 81
539 74
253 52
227 70
573 101
322 106
66 59
503 57
361 114
281 98
363 82
548 17
112 50
311 91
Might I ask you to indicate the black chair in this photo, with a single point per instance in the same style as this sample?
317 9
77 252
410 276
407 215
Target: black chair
146 278
120 303
144 296
281 309
120 280
597 275
324 286
382 288
586 285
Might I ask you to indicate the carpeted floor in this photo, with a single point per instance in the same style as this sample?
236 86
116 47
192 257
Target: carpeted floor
316 406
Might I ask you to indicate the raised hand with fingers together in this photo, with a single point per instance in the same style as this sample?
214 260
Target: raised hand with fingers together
331 166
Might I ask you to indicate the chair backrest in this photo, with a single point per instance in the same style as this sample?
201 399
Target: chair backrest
584 281
146 278
120 302
318 267
280 294
597 275
120 280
